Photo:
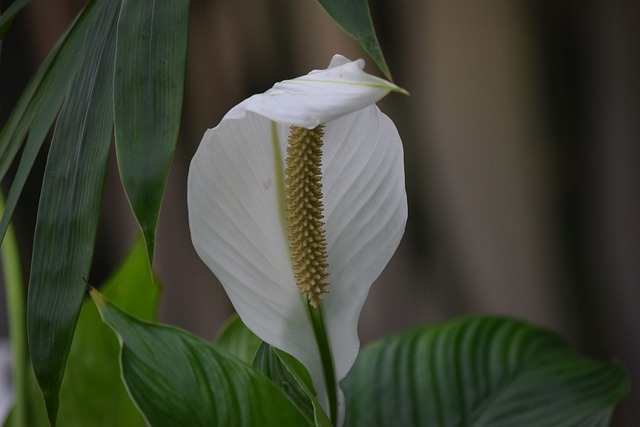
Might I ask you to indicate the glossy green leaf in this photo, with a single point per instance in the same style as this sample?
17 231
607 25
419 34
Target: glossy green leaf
480 371
148 87
93 373
40 104
7 16
92 392
301 375
354 17
238 340
268 362
70 200
178 379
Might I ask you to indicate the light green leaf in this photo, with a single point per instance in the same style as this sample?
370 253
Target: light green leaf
238 340
70 201
178 379
480 371
148 86
92 392
36 411
7 16
354 17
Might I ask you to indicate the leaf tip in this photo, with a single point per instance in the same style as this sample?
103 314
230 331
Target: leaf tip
96 296
403 91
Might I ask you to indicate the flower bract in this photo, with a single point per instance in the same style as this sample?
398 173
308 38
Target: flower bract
238 213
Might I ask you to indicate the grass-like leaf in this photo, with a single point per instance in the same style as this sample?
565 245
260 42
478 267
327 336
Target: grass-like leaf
148 87
476 372
70 201
7 16
354 17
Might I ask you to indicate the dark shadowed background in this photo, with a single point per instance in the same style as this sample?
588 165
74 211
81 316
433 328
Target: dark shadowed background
522 149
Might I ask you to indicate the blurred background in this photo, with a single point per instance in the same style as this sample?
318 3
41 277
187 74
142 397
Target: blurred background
521 147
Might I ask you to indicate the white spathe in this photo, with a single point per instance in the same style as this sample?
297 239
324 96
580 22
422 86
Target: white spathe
236 211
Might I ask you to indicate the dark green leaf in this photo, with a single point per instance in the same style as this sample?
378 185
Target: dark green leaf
69 205
92 392
283 369
148 87
268 362
7 16
301 375
354 17
238 340
40 104
480 371
178 379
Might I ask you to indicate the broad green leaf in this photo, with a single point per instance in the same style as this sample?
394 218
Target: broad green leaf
354 17
177 379
480 371
268 362
148 86
92 392
238 340
70 201
93 374
7 16
301 375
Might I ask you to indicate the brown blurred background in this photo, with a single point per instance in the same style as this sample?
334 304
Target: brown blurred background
521 138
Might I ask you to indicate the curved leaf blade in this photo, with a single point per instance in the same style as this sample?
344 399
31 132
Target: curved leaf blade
6 17
93 368
39 106
148 88
70 200
480 371
238 340
178 379
354 17
268 362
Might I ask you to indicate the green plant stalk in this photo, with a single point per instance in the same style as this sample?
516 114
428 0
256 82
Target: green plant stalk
14 288
322 340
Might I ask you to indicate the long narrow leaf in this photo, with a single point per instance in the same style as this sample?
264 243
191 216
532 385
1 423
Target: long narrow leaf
477 372
7 16
354 17
69 206
39 106
150 65
178 379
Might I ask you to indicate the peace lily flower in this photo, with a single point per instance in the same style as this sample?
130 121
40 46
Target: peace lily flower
296 203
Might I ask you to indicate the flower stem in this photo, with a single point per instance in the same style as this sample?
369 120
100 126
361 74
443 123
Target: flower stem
14 288
322 340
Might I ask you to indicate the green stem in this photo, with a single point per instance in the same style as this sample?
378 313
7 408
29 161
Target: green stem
322 340
14 288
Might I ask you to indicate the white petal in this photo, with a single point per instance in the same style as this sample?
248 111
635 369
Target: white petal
365 213
236 229
320 96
